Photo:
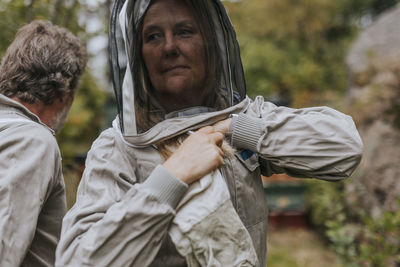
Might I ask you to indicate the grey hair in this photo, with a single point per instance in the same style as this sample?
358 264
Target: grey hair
43 63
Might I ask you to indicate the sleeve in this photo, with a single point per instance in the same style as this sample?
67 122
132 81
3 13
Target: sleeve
317 142
115 220
23 188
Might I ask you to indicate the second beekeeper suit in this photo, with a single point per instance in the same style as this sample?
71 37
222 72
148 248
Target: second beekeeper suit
32 202
127 201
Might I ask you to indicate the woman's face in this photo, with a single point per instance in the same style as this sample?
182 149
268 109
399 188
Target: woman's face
174 54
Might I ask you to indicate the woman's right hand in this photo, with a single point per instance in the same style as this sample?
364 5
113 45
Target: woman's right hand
197 156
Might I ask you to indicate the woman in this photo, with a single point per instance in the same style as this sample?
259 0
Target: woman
184 78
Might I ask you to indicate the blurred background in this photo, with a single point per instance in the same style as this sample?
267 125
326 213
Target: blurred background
299 53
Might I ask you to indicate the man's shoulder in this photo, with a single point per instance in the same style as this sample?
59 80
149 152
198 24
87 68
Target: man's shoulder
27 132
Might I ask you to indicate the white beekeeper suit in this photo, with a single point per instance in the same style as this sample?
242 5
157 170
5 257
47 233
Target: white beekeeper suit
128 203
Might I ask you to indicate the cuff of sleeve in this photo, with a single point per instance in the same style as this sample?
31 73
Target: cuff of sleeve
233 122
246 133
165 186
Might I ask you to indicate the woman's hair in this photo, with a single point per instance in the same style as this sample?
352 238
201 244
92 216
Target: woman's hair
147 107
43 63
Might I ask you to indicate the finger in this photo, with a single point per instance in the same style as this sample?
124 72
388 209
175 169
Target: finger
227 149
222 126
206 129
217 138
221 159
220 152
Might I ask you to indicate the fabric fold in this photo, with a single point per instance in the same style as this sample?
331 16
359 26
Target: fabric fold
207 231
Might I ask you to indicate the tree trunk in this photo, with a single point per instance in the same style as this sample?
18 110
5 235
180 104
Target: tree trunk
30 13
54 11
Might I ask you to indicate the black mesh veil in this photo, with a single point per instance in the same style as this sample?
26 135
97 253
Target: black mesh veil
126 19
116 69
234 61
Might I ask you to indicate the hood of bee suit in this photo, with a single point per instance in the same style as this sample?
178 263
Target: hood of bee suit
126 19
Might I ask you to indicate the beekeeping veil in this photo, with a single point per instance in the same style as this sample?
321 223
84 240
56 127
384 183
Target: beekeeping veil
129 73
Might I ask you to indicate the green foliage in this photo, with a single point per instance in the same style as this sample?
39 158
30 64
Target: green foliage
357 238
326 200
380 244
296 48
86 115
16 13
85 120
299 48
13 16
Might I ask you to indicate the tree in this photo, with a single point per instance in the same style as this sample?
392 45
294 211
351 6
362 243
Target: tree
86 116
297 48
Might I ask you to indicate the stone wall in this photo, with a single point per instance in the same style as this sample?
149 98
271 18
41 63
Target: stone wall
374 102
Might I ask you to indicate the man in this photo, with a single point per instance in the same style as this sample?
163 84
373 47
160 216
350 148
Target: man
39 75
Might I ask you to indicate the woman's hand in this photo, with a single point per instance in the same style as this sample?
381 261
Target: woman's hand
223 126
197 156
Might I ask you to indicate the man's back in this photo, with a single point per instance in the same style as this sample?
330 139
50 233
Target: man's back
39 75
32 201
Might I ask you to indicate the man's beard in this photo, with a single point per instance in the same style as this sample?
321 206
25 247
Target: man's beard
59 120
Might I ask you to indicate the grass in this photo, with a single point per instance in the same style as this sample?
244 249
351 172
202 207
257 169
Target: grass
71 179
298 248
